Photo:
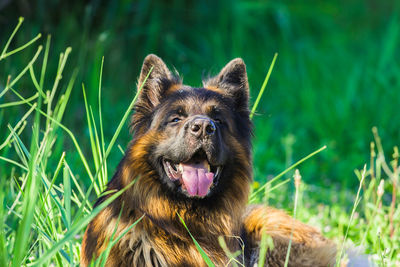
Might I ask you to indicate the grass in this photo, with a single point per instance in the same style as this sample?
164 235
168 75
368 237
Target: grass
45 203
297 179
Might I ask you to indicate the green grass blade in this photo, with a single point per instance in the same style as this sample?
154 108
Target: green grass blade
77 186
287 170
59 72
20 20
199 248
102 259
22 237
21 145
296 197
271 67
17 103
21 47
103 152
67 195
4 257
67 203
123 233
265 244
232 256
19 124
35 82
14 163
60 69
98 153
11 84
91 138
356 202
44 64
56 172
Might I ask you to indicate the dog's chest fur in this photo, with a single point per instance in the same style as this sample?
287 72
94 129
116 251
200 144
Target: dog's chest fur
156 247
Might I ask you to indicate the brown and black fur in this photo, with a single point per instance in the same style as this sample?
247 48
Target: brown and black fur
160 238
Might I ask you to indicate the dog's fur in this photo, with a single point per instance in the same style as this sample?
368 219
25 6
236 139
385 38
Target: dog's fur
178 124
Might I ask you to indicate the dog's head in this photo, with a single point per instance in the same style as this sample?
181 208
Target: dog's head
196 139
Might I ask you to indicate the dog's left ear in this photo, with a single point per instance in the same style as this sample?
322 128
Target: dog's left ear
232 79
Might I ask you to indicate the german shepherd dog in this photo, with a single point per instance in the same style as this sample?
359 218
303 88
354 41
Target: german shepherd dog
191 159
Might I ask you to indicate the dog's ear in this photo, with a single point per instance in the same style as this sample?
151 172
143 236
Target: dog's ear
152 90
232 79
159 80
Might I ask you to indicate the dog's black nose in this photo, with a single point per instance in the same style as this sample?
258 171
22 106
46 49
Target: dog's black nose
201 127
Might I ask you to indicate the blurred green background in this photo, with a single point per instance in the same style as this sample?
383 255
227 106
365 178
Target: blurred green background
337 74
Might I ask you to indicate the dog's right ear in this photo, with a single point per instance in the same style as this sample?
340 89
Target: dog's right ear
158 81
153 89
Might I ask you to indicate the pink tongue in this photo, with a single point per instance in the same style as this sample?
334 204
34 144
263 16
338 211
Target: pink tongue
196 179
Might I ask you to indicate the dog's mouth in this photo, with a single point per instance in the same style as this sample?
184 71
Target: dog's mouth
196 176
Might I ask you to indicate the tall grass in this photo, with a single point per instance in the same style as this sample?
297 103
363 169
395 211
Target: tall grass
40 219
45 206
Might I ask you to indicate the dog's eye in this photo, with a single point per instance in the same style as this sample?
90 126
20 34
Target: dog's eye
176 119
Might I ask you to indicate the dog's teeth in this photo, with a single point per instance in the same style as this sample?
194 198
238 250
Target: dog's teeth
218 170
